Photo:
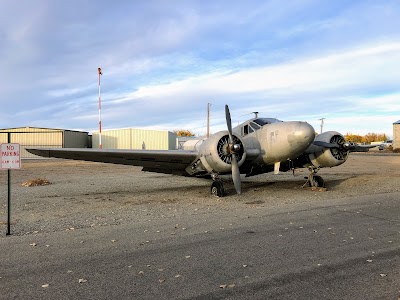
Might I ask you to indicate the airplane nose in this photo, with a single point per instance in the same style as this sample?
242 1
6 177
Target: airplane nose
302 135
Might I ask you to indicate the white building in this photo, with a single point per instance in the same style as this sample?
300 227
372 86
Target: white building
134 138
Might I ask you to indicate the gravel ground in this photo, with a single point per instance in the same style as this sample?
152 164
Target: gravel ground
103 231
85 194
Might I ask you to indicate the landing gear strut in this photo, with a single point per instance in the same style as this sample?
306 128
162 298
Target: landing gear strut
314 180
217 187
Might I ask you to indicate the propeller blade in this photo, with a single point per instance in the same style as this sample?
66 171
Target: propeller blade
235 166
325 144
347 146
361 148
236 175
229 123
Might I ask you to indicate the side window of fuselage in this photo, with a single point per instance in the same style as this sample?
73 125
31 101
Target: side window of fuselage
245 130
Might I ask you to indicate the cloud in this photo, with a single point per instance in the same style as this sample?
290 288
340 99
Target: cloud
163 63
361 68
331 85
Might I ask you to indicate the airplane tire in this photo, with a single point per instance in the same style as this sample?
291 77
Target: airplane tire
318 181
217 188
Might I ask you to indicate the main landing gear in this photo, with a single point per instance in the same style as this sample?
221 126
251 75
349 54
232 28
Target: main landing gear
217 187
314 180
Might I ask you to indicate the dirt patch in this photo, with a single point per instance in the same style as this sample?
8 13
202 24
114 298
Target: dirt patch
36 182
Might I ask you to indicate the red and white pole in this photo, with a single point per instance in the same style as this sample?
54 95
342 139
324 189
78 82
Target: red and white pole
100 145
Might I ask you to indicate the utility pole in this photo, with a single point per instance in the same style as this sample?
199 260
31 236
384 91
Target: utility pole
208 119
100 144
322 123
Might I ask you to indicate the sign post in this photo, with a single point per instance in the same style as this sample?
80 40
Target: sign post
10 159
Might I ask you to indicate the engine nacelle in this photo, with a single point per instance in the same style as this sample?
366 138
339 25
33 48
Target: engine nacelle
321 157
214 153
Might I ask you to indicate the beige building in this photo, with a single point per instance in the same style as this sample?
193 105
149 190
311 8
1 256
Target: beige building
133 138
44 138
396 135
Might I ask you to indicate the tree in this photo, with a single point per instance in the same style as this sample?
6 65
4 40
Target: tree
368 138
375 137
354 138
183 132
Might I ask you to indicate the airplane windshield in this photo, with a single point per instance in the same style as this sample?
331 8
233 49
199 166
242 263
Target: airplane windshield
264 121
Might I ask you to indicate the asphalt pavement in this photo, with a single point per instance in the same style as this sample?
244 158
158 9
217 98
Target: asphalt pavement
348 248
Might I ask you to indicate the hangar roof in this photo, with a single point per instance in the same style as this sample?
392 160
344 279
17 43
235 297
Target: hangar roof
29 128
398 122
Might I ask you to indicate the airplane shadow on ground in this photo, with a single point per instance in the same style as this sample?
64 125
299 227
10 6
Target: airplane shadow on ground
248 186
200 187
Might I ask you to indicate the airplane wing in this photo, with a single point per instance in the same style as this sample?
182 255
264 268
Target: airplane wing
160 161
362 148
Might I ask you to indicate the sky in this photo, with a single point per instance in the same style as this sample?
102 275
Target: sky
164 61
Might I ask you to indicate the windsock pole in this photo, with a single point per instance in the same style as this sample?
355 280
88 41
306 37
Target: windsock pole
100 144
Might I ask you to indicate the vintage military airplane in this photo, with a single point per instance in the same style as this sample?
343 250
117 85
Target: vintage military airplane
257 146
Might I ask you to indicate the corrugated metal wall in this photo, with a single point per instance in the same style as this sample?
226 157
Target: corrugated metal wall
396 136
133 138
44 138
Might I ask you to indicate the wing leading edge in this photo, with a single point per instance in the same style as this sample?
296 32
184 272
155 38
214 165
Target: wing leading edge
160 161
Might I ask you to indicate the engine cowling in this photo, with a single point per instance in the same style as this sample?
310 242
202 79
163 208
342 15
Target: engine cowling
214 152
322 157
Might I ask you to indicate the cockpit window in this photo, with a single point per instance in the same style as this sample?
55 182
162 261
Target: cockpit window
255 126
264 121
250 127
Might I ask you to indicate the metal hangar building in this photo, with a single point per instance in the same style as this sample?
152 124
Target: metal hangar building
134 138
44 138
396 135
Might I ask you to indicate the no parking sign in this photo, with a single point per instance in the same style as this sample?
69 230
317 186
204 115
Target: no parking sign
10 156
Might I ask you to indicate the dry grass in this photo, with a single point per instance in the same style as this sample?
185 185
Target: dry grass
36 182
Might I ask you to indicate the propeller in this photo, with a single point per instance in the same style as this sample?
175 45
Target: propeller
325 144
233 148
347 146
